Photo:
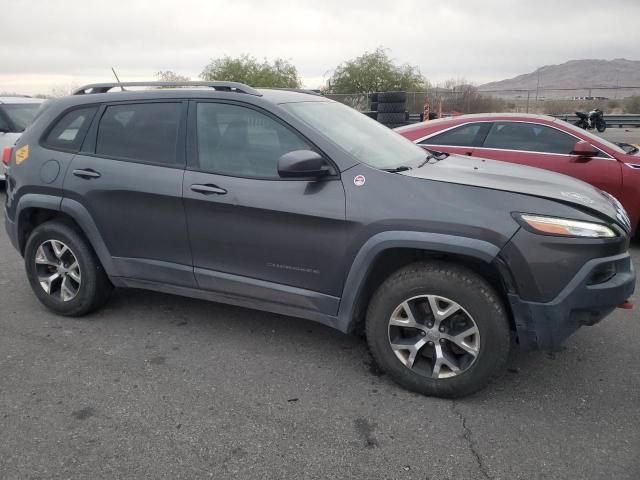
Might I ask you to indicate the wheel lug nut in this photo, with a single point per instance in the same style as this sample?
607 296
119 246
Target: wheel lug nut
442 329
442 340
430 344
422 334
429 325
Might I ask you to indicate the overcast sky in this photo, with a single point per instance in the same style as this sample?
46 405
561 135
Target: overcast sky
46 44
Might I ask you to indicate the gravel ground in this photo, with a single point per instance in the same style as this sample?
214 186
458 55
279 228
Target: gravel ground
156 386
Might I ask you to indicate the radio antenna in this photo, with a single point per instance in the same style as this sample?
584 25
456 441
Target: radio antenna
117 79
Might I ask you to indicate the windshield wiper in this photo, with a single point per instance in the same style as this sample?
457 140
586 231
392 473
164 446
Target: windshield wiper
437 156
401 168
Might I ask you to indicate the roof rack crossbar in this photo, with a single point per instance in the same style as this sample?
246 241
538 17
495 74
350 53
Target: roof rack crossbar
223 86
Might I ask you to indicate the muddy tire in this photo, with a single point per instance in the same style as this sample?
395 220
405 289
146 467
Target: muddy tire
438 329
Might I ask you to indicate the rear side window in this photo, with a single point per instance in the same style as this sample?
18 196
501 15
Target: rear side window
68 132
531 137
465 136
146 132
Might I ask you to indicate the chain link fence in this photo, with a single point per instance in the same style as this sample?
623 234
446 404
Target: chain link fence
469 99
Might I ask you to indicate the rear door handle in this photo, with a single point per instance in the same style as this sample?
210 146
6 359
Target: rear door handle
86 173
208 189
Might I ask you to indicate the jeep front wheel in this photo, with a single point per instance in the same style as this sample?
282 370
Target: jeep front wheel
438 329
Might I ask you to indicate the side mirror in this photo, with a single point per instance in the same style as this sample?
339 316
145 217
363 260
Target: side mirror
584 149
302 164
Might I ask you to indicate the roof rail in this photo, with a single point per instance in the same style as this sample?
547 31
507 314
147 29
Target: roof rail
308 91
223 86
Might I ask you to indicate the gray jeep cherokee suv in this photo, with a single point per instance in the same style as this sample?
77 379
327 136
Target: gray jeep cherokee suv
291 203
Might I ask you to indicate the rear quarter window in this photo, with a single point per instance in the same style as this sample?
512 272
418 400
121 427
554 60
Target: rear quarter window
68 132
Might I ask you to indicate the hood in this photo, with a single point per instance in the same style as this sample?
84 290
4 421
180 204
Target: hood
496 175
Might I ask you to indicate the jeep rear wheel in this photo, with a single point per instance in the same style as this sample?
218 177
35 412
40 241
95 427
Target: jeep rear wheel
63 270
438 329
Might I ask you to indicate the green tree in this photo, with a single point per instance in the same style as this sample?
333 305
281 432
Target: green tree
249 70
169 76
375 72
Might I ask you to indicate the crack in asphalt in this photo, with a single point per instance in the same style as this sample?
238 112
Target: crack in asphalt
468 438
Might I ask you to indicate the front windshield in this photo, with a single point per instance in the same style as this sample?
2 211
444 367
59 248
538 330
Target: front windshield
367 140
21 114
592 136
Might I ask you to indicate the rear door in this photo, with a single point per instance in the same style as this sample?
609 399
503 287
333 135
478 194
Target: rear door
461 140
128 176
542 146
253 233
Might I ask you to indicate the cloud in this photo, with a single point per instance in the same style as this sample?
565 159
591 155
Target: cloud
48 42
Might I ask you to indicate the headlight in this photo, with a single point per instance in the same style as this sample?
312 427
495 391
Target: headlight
565 227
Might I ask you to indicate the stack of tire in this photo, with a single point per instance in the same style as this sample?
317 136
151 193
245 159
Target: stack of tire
390 107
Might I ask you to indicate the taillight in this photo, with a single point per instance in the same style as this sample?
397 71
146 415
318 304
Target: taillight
6 155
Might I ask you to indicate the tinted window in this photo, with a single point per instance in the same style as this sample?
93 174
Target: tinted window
147 132
21 114
530 137
239 141
457 137
68 133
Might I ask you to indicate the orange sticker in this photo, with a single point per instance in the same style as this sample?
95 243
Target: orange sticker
22 154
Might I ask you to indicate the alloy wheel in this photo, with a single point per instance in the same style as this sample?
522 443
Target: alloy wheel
434 336
58 270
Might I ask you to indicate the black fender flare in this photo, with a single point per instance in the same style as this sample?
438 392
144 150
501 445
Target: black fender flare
78 213
84 220
433 242
32 200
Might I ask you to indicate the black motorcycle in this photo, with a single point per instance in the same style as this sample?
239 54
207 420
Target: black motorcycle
591 120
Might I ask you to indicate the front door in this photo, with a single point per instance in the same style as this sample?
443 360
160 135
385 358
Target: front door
252 233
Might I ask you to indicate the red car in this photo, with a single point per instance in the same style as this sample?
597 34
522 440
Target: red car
539 141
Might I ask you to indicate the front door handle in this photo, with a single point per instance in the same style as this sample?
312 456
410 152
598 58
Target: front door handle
86 173
208 189
469 152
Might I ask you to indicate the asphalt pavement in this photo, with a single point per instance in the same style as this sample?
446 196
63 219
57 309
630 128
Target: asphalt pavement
163 387
625 135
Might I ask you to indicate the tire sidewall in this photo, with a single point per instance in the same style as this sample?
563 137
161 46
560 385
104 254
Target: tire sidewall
392 107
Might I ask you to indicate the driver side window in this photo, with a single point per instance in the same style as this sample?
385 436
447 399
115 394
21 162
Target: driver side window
242 142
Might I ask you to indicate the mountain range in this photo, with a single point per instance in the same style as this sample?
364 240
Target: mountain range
574 74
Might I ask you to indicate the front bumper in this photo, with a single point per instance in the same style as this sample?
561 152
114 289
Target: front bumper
545 326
